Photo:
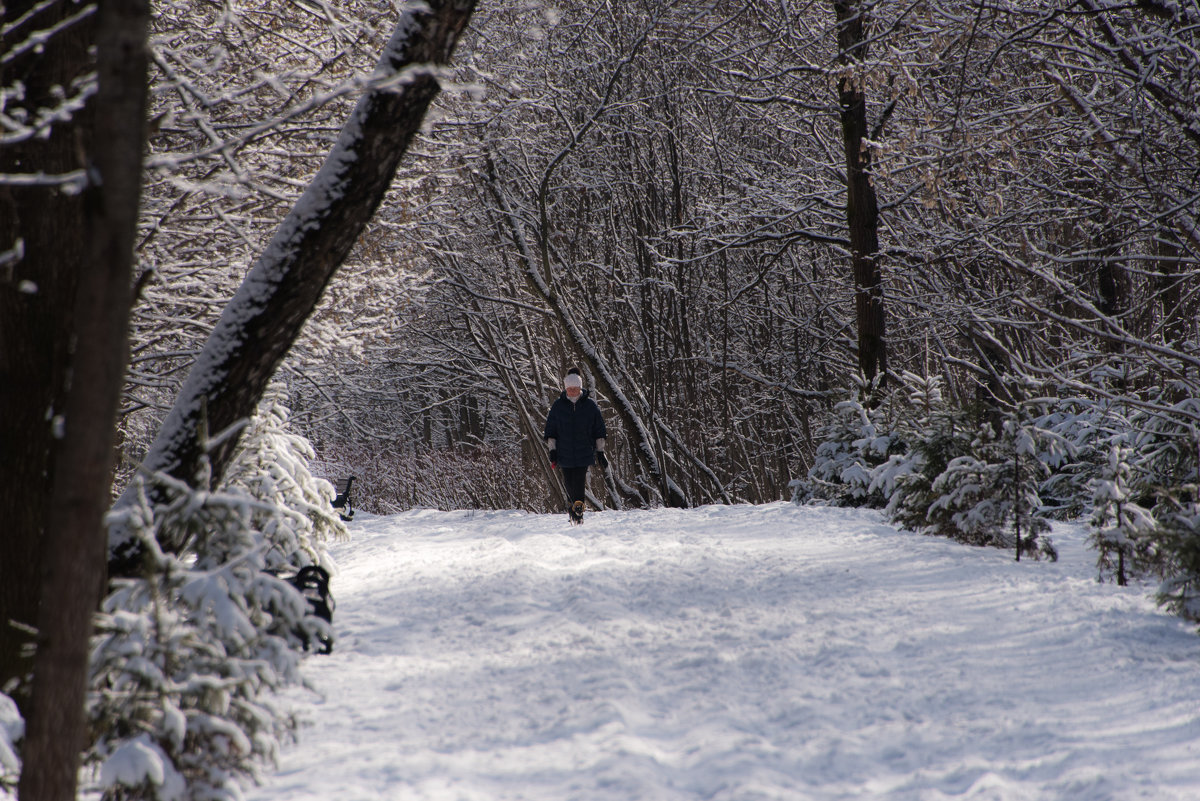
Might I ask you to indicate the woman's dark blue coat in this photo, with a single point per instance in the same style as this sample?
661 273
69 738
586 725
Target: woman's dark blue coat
575 427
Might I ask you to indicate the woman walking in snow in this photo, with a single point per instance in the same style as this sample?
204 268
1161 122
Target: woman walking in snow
575 434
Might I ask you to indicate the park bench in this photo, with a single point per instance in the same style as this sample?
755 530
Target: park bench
313 583
343 501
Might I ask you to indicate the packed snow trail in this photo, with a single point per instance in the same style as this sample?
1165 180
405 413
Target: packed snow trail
745 652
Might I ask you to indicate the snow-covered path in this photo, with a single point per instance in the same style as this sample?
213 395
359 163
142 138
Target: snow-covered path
748 652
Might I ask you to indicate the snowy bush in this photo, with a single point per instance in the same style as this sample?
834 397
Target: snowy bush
938 472
1166 444
990 496
1159 435
962 480
187 655
1143 493
935 434
1081 430
271 466
841 472
1169 446
1123 532
1179 537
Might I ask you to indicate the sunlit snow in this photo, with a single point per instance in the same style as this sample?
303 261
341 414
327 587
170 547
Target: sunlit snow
746 652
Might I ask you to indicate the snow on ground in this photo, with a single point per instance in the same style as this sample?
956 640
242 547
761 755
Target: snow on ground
735 653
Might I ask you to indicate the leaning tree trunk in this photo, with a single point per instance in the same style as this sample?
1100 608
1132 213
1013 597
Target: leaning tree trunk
265 316
74 552
862 208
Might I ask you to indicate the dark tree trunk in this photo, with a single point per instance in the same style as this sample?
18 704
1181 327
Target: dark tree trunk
1169 289
263 320
1114 290
40 254
74 552
1173 306
862 209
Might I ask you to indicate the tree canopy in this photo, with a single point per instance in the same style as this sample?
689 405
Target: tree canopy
937 257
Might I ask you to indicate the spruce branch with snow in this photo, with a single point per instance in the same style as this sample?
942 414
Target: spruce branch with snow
990 495
190 652
1179 534
1122 530
271 465
853 447
1081 427
935 434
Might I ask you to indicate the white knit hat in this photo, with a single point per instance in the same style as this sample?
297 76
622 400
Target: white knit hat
573 380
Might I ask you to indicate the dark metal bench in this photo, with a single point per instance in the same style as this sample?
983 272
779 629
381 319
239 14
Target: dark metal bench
343 502
313 583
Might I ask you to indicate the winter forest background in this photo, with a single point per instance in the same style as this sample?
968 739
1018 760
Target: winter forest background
938 258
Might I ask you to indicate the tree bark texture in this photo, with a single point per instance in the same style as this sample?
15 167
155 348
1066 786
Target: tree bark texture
264 319
41 251
74 553
862 208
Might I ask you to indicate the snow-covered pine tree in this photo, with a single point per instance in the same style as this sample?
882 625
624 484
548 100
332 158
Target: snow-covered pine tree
1166 441
1079 427
990 495
935 434
188 654
272 466
1179 538
1122 530
852 447
1173 463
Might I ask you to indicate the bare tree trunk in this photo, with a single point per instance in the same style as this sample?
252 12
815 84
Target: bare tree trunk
264 318
862 209
74 552
40 255
1169 288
